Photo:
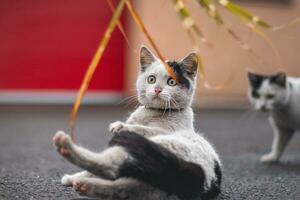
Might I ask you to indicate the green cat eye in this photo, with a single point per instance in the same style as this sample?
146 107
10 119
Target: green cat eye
171 82
151 79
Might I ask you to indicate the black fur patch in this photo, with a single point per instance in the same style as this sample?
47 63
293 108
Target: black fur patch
179 74
257 81
215 187
279 79
159 167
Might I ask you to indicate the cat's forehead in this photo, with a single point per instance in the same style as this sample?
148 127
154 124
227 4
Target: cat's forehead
262 82
268 87
157 68
265 86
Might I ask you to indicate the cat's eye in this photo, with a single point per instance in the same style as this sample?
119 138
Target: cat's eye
171 82
270 96
151 79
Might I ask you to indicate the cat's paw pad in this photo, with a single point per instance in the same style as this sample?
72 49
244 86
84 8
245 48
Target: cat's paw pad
81 187
269 158
66 180
63 143
117 126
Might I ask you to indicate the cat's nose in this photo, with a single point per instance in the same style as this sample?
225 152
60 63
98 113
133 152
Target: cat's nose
157 90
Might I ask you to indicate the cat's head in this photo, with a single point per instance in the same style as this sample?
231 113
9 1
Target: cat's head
267 92
156 89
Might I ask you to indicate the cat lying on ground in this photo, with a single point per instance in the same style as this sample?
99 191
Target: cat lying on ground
280 95
156 153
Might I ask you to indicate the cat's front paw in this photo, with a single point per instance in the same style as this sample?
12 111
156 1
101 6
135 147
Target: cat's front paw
63 143
117 127
269 158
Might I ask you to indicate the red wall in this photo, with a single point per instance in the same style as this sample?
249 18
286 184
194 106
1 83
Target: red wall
48 44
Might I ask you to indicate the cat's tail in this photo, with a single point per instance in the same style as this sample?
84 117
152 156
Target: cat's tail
159 167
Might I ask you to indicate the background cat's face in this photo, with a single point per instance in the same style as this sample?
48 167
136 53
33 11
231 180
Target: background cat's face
156 89
267 92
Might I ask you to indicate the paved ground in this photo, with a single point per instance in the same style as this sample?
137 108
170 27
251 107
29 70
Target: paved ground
30 168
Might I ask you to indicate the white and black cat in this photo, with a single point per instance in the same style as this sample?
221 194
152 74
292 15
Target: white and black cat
280 95
156 153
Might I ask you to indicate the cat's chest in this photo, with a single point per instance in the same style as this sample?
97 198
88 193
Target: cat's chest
163 120
289 117
167 120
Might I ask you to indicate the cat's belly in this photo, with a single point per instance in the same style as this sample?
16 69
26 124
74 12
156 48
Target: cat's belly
192 148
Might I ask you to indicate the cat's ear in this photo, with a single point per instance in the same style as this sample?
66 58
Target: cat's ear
146 58
190 64
279 79
254 79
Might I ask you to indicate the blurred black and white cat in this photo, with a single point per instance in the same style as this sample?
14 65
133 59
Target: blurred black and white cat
156 153
280 95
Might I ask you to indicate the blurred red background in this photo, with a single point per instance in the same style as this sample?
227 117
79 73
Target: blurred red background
47 45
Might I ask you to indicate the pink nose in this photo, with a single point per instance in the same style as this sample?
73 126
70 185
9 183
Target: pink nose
157 90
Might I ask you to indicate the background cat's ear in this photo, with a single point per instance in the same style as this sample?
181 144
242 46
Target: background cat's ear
254 79
279 79
190 64
146 58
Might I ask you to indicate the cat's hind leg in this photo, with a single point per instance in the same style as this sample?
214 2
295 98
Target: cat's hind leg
108 189
105 164
281 138
68 179
122 188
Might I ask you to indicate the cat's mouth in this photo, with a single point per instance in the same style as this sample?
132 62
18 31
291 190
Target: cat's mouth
264 109
156 97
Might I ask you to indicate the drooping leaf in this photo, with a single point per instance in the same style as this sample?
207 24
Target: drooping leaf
268 40
94 63
251 21
243 13
210 8
204 78
188 23
283 26
122 30
142 27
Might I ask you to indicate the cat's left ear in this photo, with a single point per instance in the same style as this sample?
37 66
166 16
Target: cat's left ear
254 79
279 79
190 64
146 58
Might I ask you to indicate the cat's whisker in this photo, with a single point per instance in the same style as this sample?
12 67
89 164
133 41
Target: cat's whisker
165 108
137 105
131 102
169 106
174 102
128 99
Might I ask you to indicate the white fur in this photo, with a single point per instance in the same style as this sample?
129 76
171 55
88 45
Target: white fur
284 113
166 119
280 96
146 93
172 129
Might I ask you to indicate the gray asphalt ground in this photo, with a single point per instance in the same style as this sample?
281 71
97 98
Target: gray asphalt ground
30 168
